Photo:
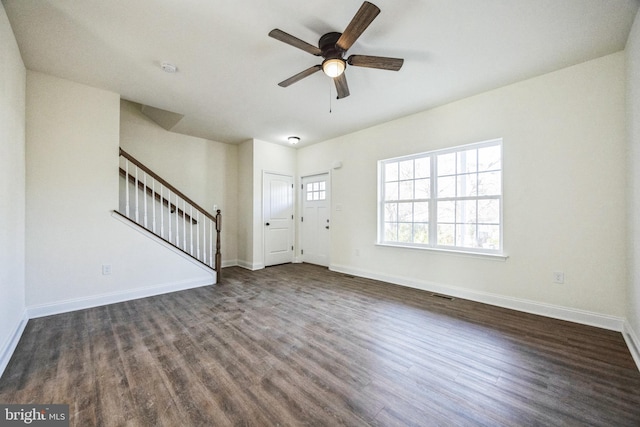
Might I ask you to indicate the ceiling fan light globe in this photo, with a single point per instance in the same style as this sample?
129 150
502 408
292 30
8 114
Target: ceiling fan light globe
333 67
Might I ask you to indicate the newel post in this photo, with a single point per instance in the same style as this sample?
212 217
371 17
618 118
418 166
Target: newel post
218 254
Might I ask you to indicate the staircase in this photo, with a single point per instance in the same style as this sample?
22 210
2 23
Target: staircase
155 205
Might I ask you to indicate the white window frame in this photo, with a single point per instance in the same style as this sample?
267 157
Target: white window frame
433 201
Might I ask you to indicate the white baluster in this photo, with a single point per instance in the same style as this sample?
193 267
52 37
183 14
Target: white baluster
204 239
169 211
126 186
161 210
211 227
153 202
184 225
191 230
144 196
137 198
198 234
177 223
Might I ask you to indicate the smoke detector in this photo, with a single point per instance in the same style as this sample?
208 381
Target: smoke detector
168 67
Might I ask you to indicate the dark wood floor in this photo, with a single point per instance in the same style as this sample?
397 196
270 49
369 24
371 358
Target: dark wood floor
299 345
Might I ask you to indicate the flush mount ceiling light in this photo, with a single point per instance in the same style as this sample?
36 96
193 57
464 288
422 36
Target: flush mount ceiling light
293 140
168 67
333 67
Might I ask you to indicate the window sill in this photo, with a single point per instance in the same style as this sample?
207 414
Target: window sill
496 257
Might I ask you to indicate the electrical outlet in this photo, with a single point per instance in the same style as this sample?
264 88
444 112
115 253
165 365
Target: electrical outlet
106 269
558 277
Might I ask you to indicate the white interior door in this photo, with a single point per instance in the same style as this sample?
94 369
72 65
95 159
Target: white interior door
278 218
315 225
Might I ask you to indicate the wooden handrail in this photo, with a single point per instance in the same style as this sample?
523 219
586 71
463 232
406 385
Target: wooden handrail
166 184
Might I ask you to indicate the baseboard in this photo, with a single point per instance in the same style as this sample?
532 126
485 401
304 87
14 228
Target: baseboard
229 263
115 297
250 266
533 307
631 338
10 345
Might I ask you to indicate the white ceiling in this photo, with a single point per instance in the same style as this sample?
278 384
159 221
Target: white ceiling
228 68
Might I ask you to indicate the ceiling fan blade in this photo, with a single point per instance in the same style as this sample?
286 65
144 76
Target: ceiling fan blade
295 42
341 86
301 75
363 17
381 62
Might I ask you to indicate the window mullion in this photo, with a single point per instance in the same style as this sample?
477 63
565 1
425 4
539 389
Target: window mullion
383 204
433 204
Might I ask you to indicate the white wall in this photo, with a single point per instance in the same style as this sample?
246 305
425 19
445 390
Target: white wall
12 191
206 171
257 157
633 132
564 192
72 187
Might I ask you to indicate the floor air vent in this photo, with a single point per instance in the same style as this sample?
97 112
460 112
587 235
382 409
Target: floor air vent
443 296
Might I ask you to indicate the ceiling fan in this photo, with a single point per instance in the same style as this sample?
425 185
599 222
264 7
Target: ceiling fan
333 46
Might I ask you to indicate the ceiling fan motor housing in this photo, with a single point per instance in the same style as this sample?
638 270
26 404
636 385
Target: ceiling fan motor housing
328 46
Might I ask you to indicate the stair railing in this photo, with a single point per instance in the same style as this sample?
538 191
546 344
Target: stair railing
154 204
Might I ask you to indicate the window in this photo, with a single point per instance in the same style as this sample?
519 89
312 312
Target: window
446 199
316 190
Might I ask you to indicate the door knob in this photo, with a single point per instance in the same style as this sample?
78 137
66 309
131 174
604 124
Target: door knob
327 227
267 224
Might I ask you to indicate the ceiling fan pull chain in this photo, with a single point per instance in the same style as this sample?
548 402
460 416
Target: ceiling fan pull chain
330 81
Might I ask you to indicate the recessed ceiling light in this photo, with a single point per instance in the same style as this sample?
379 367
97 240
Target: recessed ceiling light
168 67
293 140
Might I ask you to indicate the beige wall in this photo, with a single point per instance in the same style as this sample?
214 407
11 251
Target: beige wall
72 187
245 205
12 190
206 171
564 192
633 131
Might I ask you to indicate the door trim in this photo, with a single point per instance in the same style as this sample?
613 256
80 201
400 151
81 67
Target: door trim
299 190
292 237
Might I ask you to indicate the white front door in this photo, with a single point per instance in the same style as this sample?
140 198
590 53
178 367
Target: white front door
315 225
278 218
